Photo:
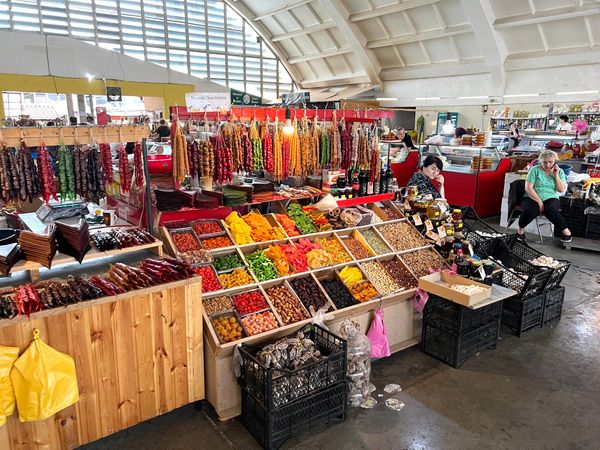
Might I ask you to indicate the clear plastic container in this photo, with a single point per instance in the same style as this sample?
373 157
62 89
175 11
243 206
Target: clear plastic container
359 362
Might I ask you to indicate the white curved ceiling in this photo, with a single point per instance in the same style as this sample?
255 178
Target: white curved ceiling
358 45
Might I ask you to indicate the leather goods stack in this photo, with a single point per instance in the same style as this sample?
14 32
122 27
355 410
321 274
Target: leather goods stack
73 240
39 248
9 255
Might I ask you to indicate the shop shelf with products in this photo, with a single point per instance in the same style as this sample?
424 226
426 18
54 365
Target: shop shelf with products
500 123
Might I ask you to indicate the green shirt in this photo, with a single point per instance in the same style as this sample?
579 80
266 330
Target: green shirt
543 184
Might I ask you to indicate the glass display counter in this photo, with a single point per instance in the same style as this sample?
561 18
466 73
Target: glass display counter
474 176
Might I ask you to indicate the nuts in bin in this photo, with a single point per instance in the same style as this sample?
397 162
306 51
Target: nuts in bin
289 308
382 281
402 236
422 260
217 304
228 328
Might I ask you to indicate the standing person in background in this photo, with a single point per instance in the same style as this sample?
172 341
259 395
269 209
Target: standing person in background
564 124
514 135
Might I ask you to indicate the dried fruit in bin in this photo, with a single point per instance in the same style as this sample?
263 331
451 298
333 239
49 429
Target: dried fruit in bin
260 322
249 302
228 262
217 304
196 257
288 225
335 249
301 219
228 328
338 293
261 266
309 293
399 273
185 242
289 308
216 242
208 227
261 228
363 291
295 257
210 282
240 230
239 277
351 275
318 258
275 254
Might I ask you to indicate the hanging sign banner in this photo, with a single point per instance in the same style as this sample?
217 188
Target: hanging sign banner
208 101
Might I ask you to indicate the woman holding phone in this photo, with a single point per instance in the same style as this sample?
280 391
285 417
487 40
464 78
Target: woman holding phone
543 184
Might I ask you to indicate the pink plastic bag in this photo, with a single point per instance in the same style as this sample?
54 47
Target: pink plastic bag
419 300
380 347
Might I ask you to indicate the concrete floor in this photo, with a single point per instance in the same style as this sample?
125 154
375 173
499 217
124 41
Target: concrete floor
539 391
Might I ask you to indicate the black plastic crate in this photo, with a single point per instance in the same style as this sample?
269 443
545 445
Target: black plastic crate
573 210
276 387
528 253
592 230
454 350
522 276
458 320
523 316
553 304
272 428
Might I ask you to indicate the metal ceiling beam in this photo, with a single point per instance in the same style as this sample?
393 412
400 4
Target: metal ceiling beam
320 55
424 36
266 14
304 31
355 37
389 9
335 81
262 31
480 15
435 70
571 12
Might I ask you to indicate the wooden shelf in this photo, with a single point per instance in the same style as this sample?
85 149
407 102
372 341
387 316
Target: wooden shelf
60 258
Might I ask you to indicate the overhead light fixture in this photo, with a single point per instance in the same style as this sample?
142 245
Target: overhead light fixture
427 98
386 99
288 128
520 95
472 97
577 92
89 76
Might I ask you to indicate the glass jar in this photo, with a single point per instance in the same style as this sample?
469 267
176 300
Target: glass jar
449 226
456 214
434 212
412 192
458 225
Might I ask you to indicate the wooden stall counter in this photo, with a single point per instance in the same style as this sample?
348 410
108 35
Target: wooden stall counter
137 355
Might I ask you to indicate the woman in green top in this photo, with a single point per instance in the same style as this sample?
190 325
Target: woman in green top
543 184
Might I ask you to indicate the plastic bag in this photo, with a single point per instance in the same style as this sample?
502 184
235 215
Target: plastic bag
8 356
380 347
327 203
44 381
359 362
419 300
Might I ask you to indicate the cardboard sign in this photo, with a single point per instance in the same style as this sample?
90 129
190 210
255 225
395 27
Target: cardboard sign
417 220
442 231
428 225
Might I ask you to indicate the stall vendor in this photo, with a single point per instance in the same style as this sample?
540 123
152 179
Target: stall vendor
563 124
431 170
401 135
543 184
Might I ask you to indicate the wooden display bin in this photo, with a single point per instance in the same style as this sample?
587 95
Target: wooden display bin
137 355
222 389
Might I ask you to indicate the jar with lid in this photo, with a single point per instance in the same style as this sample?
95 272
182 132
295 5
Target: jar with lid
456 214
458 224
465 247
446 247
434 211
412 192
449 226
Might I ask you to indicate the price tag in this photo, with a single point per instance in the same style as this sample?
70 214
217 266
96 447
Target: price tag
482 273
432 235
443 207
417 220
439 242
406 205
442 231
428 225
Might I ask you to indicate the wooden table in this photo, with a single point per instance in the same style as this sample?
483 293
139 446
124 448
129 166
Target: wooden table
137 355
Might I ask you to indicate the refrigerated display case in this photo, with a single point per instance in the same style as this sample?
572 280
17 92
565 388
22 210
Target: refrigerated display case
474 176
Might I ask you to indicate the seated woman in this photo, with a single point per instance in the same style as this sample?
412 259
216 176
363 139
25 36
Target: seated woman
431 170
543 184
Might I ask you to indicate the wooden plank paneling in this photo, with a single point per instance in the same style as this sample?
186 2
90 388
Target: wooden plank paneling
122 320
103 352
146 360
178 345
137 356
